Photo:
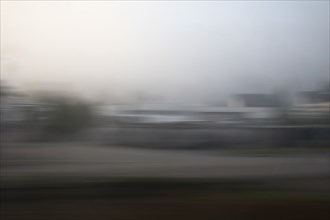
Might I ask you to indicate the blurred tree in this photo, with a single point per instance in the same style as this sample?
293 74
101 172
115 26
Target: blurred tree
4 88
64 115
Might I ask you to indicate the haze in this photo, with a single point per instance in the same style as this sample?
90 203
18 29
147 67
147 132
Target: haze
185 51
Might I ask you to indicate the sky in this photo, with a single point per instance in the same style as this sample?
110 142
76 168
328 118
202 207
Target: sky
185 51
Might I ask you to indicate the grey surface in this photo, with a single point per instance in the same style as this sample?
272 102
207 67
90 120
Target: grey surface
70 159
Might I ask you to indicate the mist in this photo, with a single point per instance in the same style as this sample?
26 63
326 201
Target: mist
173 51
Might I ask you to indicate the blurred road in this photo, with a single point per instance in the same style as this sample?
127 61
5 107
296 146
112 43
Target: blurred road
74 159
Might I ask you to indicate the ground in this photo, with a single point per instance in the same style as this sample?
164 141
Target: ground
89 181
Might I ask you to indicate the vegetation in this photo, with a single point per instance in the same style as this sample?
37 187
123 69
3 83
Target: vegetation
64 115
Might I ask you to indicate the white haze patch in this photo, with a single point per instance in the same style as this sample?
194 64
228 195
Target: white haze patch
177 51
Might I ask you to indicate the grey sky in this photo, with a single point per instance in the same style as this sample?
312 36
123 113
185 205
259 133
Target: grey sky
183 51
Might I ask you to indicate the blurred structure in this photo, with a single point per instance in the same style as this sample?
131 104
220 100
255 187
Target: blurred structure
249 120
312 97
253 100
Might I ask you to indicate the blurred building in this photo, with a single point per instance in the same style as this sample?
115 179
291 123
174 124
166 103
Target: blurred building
312 97
253 100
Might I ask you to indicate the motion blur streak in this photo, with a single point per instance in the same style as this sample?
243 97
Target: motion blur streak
141 110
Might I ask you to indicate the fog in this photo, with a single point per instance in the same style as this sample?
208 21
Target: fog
173 51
